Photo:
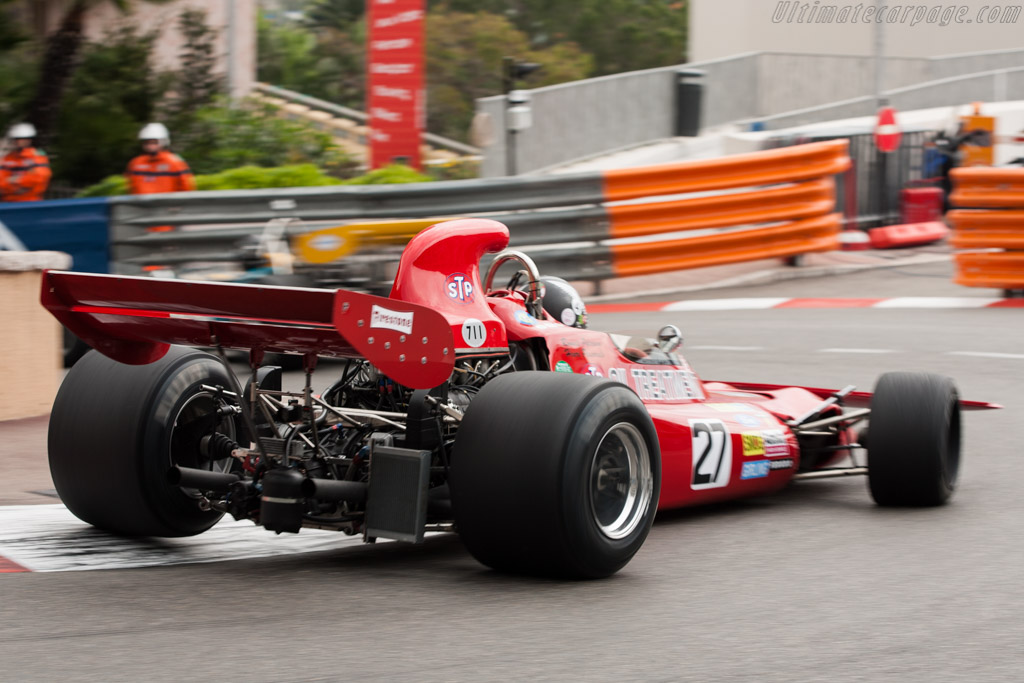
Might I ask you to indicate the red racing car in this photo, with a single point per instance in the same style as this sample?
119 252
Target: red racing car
459 407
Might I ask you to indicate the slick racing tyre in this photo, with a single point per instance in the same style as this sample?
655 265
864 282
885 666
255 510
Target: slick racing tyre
116 430
555 475
914 439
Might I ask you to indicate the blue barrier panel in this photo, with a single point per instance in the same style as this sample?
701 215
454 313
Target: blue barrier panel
74 226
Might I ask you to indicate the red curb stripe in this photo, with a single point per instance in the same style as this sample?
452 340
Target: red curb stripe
627 308
828 303
10 566
1007 303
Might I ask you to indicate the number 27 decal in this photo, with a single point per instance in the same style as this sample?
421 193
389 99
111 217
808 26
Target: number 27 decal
712 454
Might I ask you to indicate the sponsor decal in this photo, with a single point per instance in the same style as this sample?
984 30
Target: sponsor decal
594 371
755 469
399 321
562 366
753 444
729 407
458 288
711 456
386 115
474 333
327 242
568 317
524 318
658 385
747 420
402 18
403 94
775 443
782 464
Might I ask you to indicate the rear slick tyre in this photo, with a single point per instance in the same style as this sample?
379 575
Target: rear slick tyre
914 444
115 431
555 475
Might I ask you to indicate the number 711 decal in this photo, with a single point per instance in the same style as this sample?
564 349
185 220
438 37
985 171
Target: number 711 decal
712 454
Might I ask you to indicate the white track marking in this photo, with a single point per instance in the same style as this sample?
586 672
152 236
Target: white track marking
856 351
986 354
48 538
739 304
936 302
717 347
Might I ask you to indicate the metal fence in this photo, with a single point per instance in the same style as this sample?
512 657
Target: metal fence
867 195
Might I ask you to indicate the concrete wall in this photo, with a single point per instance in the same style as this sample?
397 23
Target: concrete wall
585 118
239 44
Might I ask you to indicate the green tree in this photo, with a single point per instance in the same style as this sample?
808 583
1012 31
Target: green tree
112 94
621 35
60 59
464 58
196 84
254 134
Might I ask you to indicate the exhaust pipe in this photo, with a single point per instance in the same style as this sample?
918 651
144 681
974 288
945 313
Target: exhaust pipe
334 491
204 480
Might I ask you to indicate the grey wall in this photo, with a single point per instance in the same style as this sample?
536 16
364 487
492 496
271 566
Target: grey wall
595 116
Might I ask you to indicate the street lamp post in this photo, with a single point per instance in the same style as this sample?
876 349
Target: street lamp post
517 106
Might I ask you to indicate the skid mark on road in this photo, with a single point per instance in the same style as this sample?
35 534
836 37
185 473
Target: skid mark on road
48 538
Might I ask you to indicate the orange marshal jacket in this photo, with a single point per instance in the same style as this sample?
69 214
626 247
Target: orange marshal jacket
24 175
160 172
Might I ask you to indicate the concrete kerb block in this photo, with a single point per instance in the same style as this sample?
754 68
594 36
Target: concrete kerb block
32 346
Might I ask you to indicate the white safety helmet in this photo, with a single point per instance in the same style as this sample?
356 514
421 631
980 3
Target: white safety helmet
20 131
156 131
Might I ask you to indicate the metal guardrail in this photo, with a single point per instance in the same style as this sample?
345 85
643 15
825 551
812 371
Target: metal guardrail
359 117
587 226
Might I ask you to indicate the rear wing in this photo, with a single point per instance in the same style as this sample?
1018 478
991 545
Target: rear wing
855 399
134 320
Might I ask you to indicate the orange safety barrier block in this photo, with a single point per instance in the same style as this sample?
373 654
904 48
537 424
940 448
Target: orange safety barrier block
907 234
816 234
980 229
801 200
786 165
988 188
1002 270
990 216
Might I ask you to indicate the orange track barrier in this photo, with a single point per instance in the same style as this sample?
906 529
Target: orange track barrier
786 165
794 217
797 237
992 218
802 200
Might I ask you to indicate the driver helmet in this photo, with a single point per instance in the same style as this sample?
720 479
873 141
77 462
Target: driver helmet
562 302
22 131
156 131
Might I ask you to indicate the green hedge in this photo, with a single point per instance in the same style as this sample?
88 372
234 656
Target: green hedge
256 178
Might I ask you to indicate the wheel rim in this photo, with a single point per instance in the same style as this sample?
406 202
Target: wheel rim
197 418
620 481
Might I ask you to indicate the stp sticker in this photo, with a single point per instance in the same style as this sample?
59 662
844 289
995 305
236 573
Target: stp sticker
400 321
458 288
712 454
524 318
474 333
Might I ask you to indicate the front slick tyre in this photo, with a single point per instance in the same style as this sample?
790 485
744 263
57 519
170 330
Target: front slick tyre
914 439
115 431
555 475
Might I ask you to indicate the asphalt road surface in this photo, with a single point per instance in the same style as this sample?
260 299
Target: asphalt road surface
813 584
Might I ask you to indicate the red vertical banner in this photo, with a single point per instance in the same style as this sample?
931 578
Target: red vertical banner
394 83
